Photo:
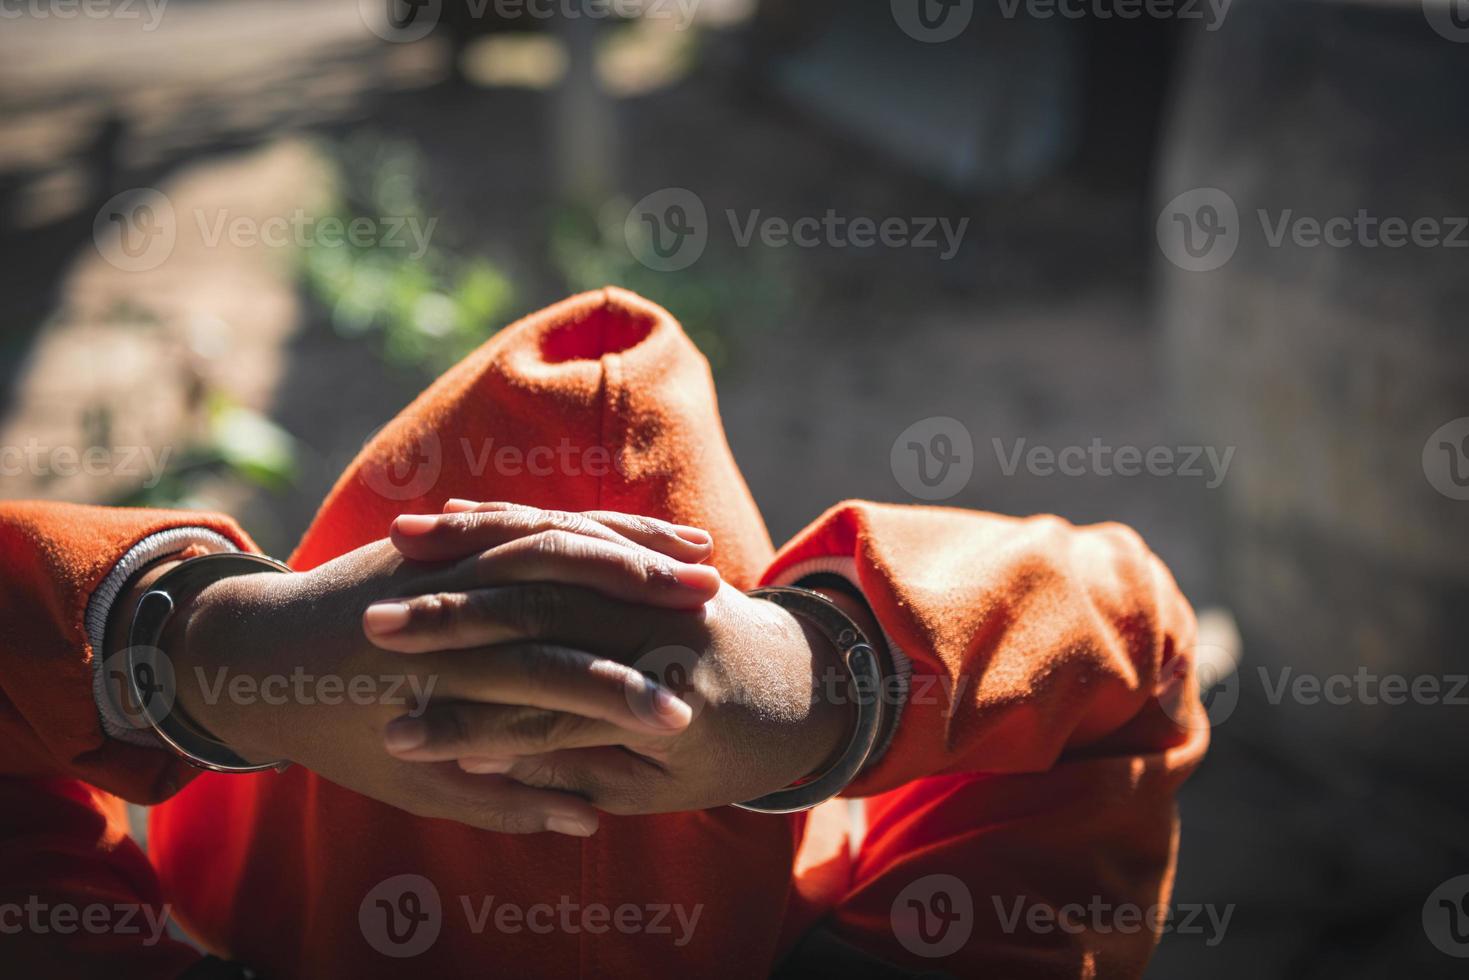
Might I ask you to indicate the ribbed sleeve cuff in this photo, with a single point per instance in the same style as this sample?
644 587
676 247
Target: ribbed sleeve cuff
99 610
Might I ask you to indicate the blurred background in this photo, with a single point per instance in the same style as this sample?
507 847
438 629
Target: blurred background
1201 267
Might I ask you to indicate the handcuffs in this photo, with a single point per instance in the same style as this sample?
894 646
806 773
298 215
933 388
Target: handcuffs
188 740
196 746
867 671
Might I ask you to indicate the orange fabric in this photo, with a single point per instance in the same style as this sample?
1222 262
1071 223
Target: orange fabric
78 899
1050 639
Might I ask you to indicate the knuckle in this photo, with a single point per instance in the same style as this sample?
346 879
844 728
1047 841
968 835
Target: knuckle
656 573
548 772
648 526
535 608
453 727
513 821
547 541
437 610
565 520
462 525
536 729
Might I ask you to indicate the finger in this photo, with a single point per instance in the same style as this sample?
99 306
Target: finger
681 541
493 731
624 572
449 536
611 778
508 806
544 611
556 678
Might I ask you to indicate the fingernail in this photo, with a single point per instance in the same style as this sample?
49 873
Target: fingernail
571 826
485 767
405 734
693 535
702 577
670 710
415 523
458 505
383 618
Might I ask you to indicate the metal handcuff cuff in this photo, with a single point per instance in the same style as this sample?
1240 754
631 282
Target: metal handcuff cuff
149 677
867 671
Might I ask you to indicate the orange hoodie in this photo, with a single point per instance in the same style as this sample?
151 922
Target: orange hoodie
1052 714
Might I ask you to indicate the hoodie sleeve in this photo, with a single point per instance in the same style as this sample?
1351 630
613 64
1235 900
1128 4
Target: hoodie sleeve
1051 713
63 566
1027 640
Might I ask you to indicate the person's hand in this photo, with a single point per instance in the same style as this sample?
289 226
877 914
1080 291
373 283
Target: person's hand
277 666
771 702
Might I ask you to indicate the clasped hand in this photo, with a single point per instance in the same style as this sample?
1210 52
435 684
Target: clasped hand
549 665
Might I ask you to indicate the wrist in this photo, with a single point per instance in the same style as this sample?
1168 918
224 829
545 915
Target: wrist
835 640
208 643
